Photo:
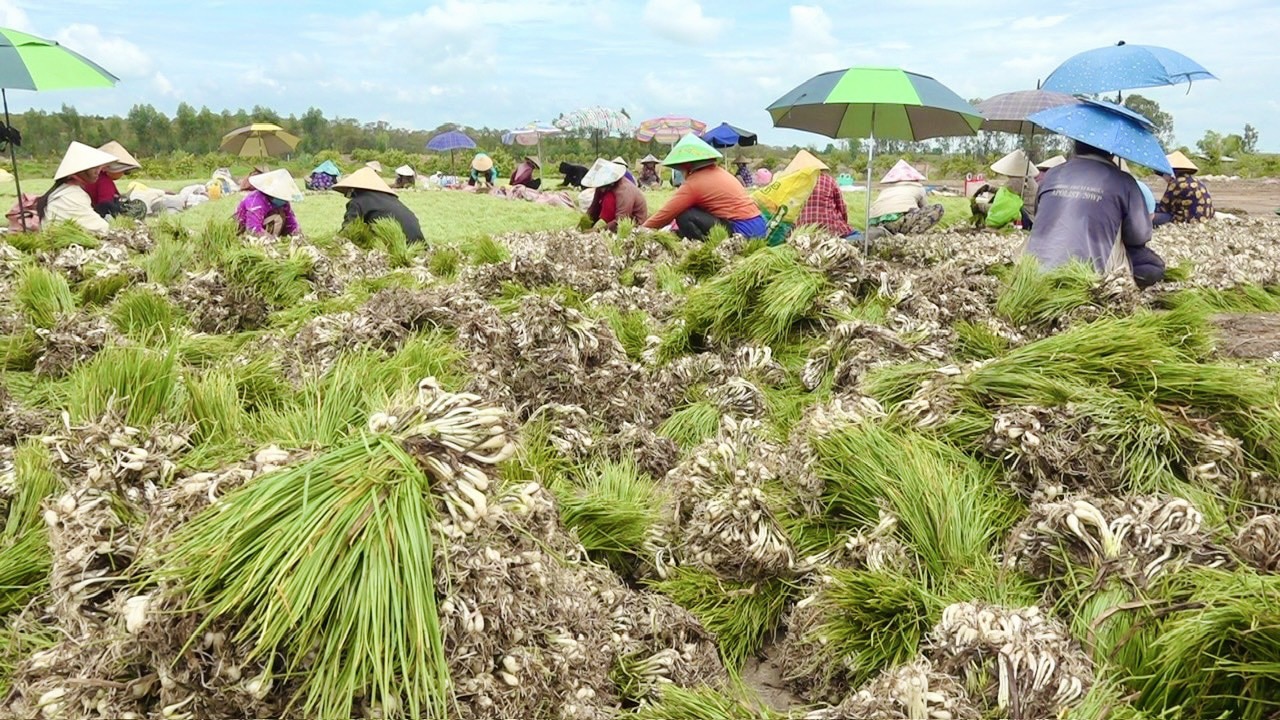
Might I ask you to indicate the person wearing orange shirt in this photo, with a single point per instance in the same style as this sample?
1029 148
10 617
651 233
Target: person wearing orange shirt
709 196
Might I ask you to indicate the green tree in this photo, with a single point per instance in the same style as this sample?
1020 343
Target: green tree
1249 142
1151 110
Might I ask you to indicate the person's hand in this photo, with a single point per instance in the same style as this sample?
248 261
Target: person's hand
585 223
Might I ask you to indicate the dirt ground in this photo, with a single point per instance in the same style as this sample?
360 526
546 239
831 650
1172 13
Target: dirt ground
1254 197
1252 336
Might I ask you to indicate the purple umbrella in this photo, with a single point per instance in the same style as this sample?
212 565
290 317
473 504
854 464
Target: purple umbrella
1008 112
450 141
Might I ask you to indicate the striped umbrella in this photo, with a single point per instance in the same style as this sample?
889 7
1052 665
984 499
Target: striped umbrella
668 128
872 103
599 121
31 63
259 140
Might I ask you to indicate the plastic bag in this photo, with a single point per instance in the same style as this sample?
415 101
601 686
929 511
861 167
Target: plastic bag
1006 208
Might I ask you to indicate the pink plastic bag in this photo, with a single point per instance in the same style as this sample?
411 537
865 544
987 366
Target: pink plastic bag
26 207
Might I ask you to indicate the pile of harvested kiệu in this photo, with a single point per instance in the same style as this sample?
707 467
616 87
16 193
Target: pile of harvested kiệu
581 476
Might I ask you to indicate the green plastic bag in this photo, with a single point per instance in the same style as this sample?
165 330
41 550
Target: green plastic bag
1006 208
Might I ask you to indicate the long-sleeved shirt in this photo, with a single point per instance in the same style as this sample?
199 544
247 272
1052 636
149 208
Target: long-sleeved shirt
621 200
370 205
826 208
712 189
256 207
103 190
1082 206
1187 200
898 198
71 202
522 175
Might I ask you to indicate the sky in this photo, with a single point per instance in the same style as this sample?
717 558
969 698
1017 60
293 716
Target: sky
505 63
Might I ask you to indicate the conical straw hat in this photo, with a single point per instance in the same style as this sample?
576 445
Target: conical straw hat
123 158
482 163
691 149
621 161
1052 162
902 172
81 157
406 171
603 172
374 165
1181 162
648 159
804 160
364 179
278 184
1015 164
533 159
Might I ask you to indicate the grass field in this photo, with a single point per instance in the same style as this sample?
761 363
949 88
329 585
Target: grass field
447 216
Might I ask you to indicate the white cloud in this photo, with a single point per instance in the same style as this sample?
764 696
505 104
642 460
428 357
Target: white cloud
12 16
255 76
811 27
1037 22
682 21
163 85
117 55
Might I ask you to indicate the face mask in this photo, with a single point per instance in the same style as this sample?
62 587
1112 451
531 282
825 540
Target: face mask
277 202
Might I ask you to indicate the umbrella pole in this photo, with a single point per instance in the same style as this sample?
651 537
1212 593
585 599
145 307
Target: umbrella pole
871 158
13 155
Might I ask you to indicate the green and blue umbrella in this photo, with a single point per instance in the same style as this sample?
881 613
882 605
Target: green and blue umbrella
31 63
886 103
868 102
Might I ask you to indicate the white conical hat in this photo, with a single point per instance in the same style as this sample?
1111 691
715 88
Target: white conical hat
1052 162
406 171
123 158
374 165
603 172
1015 164
363 179
81 157
804 160
278 184
649 159
902 172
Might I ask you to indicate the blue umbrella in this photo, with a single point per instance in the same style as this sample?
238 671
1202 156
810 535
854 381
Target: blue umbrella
725 135
450 141
1124 67
1108 127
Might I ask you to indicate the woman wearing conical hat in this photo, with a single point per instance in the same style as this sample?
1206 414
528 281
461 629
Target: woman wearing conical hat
523 174
1187 200
649 177
615 198
483 172
266 210
69 198
743 171
709 196
370 199
901 208
106 197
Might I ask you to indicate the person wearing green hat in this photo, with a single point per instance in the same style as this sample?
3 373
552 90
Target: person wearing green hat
709 196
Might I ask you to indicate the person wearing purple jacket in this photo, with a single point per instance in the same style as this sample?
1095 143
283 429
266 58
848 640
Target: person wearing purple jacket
1089 209
266 210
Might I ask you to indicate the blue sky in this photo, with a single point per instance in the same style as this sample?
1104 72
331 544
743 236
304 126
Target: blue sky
502 63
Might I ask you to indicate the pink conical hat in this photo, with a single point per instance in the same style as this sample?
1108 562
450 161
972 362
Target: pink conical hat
902 172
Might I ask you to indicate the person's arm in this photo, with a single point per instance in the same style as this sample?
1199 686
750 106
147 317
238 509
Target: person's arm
290 221
253 215
353 211
609 207
686 197
1135 228
837 199
1166 203
82 212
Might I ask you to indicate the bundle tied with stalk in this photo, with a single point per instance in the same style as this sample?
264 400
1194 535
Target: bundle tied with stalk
329 565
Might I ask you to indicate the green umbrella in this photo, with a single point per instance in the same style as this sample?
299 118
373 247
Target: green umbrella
872 103
31 63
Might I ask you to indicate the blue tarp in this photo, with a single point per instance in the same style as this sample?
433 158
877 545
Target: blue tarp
328 168
726 135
